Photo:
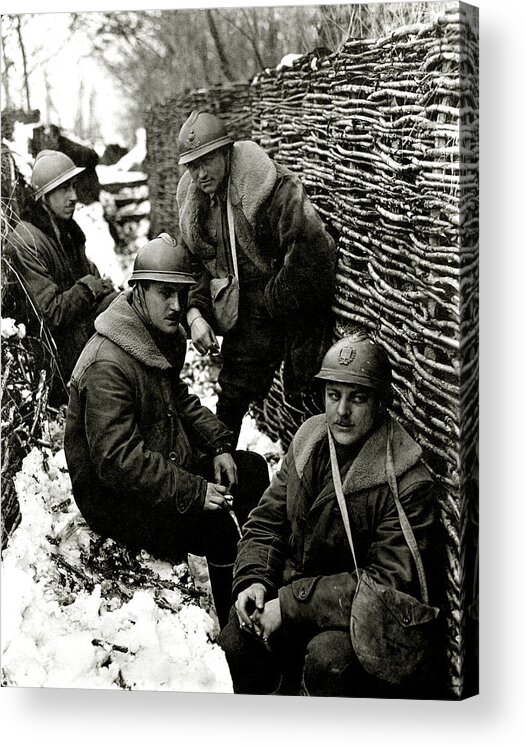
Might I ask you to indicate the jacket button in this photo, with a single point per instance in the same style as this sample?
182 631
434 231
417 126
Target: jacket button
171 456
406 619
303 593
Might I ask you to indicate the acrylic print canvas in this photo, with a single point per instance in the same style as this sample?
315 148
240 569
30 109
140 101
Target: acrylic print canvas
240 350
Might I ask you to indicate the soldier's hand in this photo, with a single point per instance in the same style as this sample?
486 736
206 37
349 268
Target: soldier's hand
108 286
95 285
270 620
250 604
214 498
203 337
224 463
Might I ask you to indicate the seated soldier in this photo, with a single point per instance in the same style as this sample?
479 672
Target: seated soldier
294 578
150 466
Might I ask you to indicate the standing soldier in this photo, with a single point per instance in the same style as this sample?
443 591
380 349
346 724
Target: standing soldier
266 265
48 249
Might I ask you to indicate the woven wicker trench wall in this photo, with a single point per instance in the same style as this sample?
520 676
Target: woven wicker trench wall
384 135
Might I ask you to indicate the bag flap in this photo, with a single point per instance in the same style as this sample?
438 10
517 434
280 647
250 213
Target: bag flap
404 608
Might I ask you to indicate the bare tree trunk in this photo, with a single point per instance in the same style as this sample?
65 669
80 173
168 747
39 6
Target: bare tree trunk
5 83
24 62
223 59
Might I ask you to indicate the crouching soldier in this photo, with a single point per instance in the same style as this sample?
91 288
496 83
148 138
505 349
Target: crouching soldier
150 466
295 577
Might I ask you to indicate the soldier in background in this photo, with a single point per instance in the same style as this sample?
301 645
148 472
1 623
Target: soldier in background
47 248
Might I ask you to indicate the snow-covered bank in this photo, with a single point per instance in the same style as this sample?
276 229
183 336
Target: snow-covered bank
60 631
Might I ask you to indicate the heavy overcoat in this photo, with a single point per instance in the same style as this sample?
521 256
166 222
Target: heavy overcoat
53 269
295 542
134 432
291 259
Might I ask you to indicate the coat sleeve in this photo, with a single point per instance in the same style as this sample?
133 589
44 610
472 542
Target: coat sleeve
304 250
203 427
117 449
58 308
199 294
262 550
324 602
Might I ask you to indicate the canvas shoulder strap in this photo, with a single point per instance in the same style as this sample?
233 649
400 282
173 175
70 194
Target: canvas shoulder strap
231 231
407 530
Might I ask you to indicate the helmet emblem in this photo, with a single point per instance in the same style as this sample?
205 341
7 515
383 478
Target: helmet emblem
347 355
192 141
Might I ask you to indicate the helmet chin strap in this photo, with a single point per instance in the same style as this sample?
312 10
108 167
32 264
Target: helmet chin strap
140 305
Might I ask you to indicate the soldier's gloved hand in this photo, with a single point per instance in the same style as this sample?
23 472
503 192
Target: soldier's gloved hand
214 498
97 286
203 337
108 285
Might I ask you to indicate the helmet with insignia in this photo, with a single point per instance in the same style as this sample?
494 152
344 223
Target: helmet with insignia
356 359
201 133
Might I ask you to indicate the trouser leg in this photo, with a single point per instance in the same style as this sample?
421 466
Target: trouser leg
221 585
331 668
216 535
231 411
253 481
256 669
327 670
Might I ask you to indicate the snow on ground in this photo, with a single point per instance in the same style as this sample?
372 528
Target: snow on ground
60 630
55 635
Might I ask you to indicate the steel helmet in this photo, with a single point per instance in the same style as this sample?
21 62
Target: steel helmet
201 133
50 170
355 359
162 259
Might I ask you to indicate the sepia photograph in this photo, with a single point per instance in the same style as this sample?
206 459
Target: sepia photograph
240 350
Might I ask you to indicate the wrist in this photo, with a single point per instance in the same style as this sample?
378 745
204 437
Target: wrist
192 315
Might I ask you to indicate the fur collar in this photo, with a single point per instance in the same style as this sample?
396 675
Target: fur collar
121 324
253 176
369 468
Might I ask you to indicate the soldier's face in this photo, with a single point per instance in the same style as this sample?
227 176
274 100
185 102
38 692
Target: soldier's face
164 304
208 171
62 200
351 412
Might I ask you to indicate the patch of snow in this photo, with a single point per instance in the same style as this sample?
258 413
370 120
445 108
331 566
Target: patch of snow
287 61
100 246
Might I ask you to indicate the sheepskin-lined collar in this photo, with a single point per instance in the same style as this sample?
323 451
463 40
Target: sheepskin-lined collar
369 468
122 325
35 214
253 176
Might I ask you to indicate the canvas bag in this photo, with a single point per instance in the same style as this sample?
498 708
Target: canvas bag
224 292
392 633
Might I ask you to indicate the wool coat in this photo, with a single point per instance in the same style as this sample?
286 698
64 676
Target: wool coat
287 272
295 543
134 433
53 269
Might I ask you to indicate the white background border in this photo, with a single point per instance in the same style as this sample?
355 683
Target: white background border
497 717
